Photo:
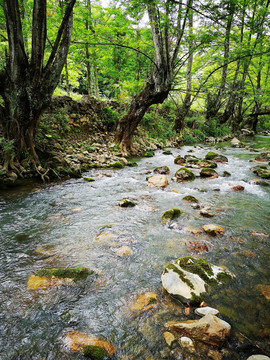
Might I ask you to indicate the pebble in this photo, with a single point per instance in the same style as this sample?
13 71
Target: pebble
206 311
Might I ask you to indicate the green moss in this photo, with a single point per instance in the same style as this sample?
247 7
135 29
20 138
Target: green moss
206 172
207 163
190 198
195 299
171 214
211 155
198 266
88 179
226 174
224 277
167 152
95 352
116 165
149 154
152 300
180 273
76 273
193 160
132 163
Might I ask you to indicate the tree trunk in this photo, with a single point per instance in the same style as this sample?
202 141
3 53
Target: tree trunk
139 105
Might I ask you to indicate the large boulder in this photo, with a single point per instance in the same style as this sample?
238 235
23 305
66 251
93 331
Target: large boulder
208 172
158 181
184 174
170 215
179 160
188 278
162 170
209 329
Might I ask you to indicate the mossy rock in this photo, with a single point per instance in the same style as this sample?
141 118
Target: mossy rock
262 171
149 154
226 174
127 203
75 274
190 198
208 172
89 179
206 164
189 278
162 170
132 164
95 352
211 155
170 215
116 165
179 160
192 161
184 174
167 152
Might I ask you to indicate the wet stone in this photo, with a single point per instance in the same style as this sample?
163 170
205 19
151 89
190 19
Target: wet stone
202 311
158 181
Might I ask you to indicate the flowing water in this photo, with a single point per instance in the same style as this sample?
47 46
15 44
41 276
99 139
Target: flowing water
57 225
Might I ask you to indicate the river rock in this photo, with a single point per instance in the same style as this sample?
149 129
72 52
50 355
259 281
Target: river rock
208 172
42 282
211 155
144 302
184 174
167 152
206 164
226 173
162 170
169 338
235 141
264 290
190 198
198 245
207 310
206 213
127 203
188 278
238 188
170 215
213 229
179 160
262 171
187 344
106 237
158 181
258 357
264 157
88 345
123 251
209 329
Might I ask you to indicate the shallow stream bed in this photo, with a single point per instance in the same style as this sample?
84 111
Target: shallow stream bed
57 225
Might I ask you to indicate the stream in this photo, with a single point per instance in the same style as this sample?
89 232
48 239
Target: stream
57 225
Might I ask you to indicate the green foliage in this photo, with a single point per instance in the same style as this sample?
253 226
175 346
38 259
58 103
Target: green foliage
7 146
109 118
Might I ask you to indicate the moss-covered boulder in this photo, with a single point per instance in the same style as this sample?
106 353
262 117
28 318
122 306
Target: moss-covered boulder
226 173
149 154
179 160
264 157
213 229
262 171
184 174
127 203
208 172
75 274
132 164
116 165
162 170
189 278
211 155
206 164
192 161
170 215
190 198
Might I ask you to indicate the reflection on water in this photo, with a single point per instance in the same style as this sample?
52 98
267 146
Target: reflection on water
57 226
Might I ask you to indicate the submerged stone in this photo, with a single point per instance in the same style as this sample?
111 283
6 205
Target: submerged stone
198 245
43 282
162 170
206 213
127 203
213 229
149 154
209 329
95 352
144 302
208 172
170 215
80 342
158 181
184 174
75 274
190 198
226 174
132 164
169 338
106 237
188 278
238 188
179 160
264 290
88 179
167 152
123 251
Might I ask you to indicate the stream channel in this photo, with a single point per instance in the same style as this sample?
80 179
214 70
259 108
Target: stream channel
56 225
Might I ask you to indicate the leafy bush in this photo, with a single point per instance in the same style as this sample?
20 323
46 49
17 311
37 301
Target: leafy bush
110 118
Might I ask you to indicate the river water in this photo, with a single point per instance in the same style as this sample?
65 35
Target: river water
57 225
